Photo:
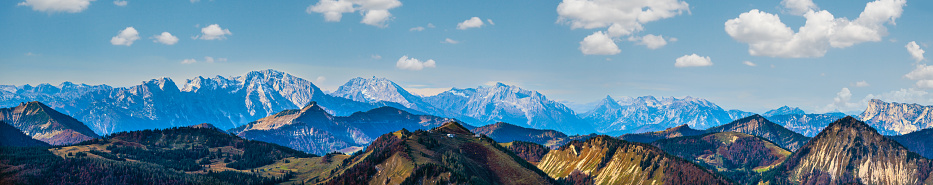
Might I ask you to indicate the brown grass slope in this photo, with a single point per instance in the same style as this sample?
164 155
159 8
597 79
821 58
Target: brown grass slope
45 124
449 154
850 151
611 161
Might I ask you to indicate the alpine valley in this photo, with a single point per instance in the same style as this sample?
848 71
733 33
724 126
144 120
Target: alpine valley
270 127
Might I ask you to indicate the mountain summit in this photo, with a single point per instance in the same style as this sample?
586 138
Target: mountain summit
45 124
373 90
784 110
647 113
850 151
897 118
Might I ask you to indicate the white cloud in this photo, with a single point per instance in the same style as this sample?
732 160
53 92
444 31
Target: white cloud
419 28
414 64
320 79
212 60
799 7
430 25
120 3
652 41
490 22
474 22
53 6
749 63
598 44
915 50
450 41
766 35
375 12
862 83
214 32
375 57
622 17
125 37
923 74
693 60
31 54
189 61
165 38
842 102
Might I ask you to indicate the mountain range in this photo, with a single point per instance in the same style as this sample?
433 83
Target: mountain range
229 102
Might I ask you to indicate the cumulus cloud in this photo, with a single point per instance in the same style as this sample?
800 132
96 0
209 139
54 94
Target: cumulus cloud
862 83
923 74
842 102
419 28
450 41
915 50
798 7
650 41
490 22
749 63
53 6
766 35
119 3
189 61
598 44
693 60
474 22
375 12
620 18
214 32
125 37
165 38
414 64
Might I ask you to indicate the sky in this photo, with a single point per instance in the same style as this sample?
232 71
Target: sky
821 56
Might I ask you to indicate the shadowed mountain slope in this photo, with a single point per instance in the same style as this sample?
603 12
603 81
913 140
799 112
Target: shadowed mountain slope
45 124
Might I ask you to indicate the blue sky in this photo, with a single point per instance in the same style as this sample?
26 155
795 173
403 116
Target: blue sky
556 47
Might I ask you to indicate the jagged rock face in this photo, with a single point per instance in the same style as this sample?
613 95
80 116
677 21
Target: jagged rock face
612 161
510 104
646 114
897 118
807 124
759 126
449 154
45 124
920 142
504 133
736 155
850 151
679 131
10 136
226 102
313 130
784 110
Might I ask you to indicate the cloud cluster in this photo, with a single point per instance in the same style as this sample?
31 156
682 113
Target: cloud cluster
651 41
749 63
621 18
599 43
125 37
414 64
206 59
375 12
53 6
214 32
474 22
862 83
923 74
165 38
915 51
693 60
766 35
